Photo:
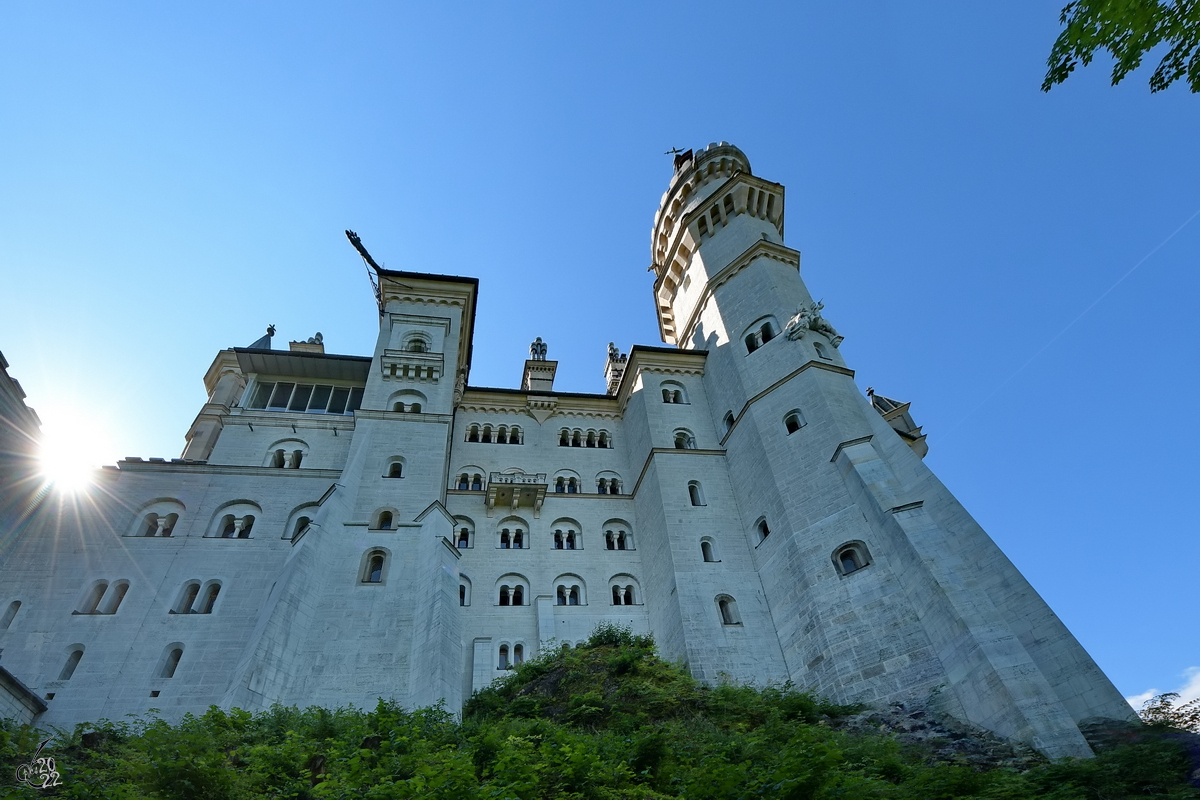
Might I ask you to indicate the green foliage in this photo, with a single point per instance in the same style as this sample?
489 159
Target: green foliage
605 721
1161 710
1128 30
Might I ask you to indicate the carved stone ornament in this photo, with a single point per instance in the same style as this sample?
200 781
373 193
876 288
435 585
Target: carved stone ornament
460 385
809 318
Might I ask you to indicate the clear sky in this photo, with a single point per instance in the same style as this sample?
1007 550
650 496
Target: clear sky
1021 266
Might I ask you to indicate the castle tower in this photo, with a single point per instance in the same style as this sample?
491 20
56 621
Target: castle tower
880 585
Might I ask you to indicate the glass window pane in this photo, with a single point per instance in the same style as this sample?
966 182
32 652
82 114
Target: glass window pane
337 404
300 397
319 399
262 393
279 399
355 399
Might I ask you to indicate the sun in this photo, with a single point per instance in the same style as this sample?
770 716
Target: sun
70 450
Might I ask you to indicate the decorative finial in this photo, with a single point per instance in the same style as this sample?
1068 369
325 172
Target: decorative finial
271 329
537 350
318 339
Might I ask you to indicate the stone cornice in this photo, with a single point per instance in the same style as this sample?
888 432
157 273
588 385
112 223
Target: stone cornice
181 466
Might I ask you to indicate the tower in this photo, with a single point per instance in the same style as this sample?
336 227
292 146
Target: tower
879 583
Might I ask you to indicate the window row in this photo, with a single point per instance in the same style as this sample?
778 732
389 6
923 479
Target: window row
167 664
792 421
569 590
502 434
580 438
606 482
566 534
234 520
307 397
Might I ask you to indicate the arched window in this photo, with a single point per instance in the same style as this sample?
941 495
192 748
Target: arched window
462 595
505 539
473 433
114 596
560 485
851 557
684 440
514 435
767 332
518 539
9 614
228 527
673 392
666 393
395 470
614 486
374 570
416 346
708 550
577 439
476 483
464 590
591 439
762 529
210 598
91 603
752 343
505 598
503 663
151 525
247 523
729 421
728 608
695 493
277 459
385 521
415 408
73 657
605 440
502 435
794 421
518 596
301 524
564 438
572 486
560 596
187 597
518 654
464 536
172 662
462 482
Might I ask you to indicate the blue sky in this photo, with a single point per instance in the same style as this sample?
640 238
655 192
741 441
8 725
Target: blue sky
1019 265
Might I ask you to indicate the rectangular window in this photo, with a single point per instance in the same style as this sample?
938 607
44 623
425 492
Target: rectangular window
279 399
337 403
262 393
319 399
305 397
300 397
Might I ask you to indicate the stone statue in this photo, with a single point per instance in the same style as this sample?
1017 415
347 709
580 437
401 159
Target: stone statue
809 318
537 350
460 385
318 339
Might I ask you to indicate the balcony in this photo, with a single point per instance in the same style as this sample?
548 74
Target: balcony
514 490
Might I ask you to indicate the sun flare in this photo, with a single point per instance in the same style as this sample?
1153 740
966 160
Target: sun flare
70 451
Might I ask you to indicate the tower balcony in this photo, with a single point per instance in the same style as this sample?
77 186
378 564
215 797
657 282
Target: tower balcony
515 489
406 365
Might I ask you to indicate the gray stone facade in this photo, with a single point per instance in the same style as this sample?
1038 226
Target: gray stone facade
344 528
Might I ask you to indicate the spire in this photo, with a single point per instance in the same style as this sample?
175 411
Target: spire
264 343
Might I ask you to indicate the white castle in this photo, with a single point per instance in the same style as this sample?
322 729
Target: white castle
344 528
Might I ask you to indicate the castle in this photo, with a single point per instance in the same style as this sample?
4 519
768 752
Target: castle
343 528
